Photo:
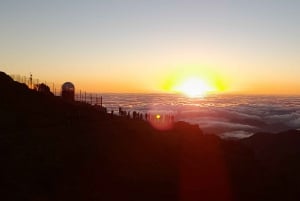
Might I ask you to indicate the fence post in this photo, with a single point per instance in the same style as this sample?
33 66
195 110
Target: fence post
30 81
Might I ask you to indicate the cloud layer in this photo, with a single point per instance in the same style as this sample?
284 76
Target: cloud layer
229 116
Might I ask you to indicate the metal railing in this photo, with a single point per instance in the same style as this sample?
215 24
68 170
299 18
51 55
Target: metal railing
81 95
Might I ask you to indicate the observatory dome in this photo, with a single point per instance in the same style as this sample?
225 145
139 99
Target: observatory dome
68 91
68 86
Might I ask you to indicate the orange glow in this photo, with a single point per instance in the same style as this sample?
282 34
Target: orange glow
194 87
195 81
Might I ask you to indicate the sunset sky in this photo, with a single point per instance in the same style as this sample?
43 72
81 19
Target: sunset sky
152 46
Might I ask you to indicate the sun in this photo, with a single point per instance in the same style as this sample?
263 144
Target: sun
193 87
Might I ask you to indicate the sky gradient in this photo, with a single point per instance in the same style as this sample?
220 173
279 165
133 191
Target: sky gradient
148 46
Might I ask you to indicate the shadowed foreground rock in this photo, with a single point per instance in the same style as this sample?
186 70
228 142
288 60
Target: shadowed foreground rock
57 150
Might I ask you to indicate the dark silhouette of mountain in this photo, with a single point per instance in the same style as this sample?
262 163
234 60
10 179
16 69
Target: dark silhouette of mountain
53 149
278 156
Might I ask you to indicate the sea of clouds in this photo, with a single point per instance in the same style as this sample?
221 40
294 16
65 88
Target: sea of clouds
226 116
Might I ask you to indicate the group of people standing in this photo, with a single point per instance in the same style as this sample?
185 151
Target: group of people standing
145 116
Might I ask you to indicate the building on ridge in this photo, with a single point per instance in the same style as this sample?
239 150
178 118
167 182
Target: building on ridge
68 91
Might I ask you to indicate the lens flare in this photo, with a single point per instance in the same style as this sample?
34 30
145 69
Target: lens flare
161 121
